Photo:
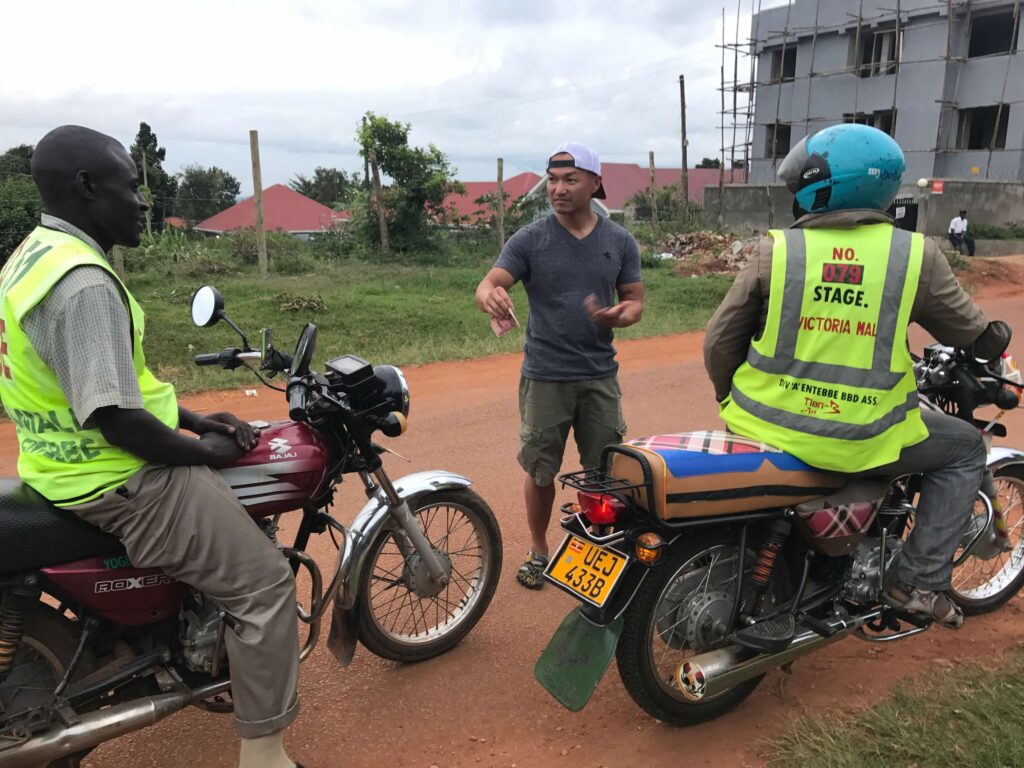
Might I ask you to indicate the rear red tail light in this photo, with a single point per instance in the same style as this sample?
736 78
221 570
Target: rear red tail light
600 508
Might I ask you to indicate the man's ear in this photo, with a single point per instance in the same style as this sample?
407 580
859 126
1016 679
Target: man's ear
84 185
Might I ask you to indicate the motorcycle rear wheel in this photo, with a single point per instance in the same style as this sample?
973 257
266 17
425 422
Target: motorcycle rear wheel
398 623
657 629
45 650
982 585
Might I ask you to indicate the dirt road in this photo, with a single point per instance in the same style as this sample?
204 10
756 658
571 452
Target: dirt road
479 705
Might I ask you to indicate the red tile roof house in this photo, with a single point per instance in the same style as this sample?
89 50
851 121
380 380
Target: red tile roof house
463 208
621 182
625 180
284 210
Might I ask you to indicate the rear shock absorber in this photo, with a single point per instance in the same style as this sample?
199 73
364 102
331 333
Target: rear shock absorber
18 600
988 487
775 536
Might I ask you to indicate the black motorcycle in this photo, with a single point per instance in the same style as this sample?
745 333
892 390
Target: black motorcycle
703 560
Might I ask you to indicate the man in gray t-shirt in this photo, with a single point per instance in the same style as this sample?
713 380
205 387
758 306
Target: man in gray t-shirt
572 264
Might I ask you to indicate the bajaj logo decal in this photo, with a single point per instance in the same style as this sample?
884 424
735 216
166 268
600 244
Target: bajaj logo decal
141 582
281 449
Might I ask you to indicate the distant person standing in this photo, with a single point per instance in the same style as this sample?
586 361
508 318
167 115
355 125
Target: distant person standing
958 234
572 264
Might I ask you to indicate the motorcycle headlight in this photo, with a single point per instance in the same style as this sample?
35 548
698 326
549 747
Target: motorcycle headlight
396 388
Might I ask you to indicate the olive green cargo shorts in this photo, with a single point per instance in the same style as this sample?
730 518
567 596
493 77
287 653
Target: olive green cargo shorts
549 408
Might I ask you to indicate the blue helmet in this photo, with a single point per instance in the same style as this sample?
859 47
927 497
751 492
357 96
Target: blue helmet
842 167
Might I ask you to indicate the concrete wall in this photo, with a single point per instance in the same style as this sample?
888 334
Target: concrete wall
924 81
763 206
750 207
993 203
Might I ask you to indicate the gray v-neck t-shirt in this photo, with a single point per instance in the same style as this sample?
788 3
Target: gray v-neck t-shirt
558 272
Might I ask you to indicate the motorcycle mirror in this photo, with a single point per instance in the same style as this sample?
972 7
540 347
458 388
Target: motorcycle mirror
304 348
207 306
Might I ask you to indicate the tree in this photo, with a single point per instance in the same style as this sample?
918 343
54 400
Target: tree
20 207
20 204
163 186
710 162
203 192
17 160
330 186
421 178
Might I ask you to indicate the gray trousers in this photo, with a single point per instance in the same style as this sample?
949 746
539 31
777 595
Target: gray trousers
187 522
952 459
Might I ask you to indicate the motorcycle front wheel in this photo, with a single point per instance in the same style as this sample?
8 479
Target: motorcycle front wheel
991 576
403 616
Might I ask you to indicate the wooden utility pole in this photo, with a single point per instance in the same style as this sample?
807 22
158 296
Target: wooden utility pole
378 202
257 196
501 203
654 192
118 253
685 181
366 163
145 183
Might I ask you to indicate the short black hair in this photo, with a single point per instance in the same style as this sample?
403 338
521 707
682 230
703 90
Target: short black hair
65 151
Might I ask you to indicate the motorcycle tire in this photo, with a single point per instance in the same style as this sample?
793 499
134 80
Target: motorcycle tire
635 653
50 638
988 600
387 569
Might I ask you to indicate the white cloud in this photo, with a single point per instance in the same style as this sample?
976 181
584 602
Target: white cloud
478 79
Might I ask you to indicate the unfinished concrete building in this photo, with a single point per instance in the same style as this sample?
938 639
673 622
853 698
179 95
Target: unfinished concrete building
942 77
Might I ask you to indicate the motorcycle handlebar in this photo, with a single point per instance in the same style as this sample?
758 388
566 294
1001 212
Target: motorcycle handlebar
208 359
298 391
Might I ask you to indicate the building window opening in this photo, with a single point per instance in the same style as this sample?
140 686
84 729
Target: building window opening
883 119
983 127
784 64
879 53
992 34
777 140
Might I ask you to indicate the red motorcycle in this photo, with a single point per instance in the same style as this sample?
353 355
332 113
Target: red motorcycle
92 648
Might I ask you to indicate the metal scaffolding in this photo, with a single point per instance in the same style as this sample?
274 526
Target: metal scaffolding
740 117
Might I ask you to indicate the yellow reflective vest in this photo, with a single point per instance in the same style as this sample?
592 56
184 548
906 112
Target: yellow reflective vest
64 461
831 380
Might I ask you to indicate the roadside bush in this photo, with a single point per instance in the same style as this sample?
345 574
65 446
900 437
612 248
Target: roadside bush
283 251
336 245
651 260
1009 231
162 250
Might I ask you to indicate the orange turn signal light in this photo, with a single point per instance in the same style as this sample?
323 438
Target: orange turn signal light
648 547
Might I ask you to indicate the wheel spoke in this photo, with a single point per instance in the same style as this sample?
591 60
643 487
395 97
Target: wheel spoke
395 607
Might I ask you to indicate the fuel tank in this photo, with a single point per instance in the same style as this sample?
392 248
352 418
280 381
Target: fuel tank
284 471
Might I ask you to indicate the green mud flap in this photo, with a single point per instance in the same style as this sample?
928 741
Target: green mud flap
576 659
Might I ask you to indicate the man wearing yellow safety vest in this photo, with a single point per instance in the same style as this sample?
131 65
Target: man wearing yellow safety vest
98 433
808 351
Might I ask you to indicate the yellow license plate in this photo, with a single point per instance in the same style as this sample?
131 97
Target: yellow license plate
587 570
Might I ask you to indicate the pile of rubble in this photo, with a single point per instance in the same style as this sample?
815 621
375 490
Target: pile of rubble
704 253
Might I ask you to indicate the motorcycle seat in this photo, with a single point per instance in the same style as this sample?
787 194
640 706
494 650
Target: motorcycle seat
700 474
35 534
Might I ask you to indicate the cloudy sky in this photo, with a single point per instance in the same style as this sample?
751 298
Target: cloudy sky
478 78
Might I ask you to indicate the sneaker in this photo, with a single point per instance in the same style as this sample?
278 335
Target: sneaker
938 605
531 572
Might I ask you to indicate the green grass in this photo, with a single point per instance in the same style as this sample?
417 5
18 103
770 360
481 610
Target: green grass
962 716
393 313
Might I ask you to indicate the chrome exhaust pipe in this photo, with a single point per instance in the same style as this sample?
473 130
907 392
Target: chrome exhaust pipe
94 728
711 673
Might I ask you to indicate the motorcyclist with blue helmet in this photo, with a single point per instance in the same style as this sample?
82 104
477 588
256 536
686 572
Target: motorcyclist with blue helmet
808 350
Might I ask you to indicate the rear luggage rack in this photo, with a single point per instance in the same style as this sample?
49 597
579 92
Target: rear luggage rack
597 481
